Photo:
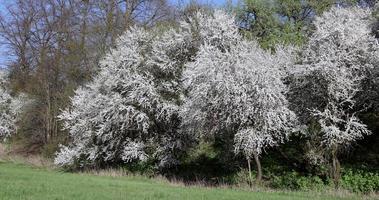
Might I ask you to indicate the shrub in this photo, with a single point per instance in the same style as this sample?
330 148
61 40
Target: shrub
240 178
294 181
360 181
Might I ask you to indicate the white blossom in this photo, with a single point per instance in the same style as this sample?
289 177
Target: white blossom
10 108
339 55
237 87
66 156
132 104
135 102
134 151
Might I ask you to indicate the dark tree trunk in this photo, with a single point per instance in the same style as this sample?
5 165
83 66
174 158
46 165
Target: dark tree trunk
259 168
336 168
250 176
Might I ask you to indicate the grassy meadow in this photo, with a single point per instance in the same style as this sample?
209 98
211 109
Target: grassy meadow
20 181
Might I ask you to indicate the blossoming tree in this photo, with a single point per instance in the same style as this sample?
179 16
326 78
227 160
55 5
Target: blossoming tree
235 86
129 112
129 108
10 107
339 56
7 120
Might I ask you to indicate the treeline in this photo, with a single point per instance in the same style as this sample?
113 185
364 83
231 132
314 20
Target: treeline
189 91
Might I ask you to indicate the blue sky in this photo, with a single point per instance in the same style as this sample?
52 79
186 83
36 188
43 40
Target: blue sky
2 49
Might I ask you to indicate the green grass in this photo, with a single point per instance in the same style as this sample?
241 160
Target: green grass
19 182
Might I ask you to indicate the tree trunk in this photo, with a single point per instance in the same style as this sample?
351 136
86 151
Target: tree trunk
250 176
128 13
48 118
336 168
259 168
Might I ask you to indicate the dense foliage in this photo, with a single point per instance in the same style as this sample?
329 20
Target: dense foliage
285 21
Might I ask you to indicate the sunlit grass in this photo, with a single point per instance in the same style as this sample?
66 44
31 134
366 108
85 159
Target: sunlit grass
18 181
